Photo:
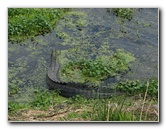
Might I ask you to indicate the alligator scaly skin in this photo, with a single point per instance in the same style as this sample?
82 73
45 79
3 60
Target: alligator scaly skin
54 67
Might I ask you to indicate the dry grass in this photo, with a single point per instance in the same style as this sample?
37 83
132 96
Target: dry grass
148 112
51 114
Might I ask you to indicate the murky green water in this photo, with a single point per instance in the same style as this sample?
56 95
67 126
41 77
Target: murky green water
28 62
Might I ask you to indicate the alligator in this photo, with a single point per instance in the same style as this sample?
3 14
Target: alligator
69 89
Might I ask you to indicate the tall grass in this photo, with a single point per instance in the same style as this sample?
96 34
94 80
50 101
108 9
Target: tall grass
111 110
121 108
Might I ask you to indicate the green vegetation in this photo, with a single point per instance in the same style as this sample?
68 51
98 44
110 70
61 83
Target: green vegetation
44 99
96 70
26 23
41 99
15 106
13 89
138 87
53 107
123 13
106 111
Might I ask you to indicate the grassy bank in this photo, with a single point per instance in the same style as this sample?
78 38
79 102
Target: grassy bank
50 106
26 23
